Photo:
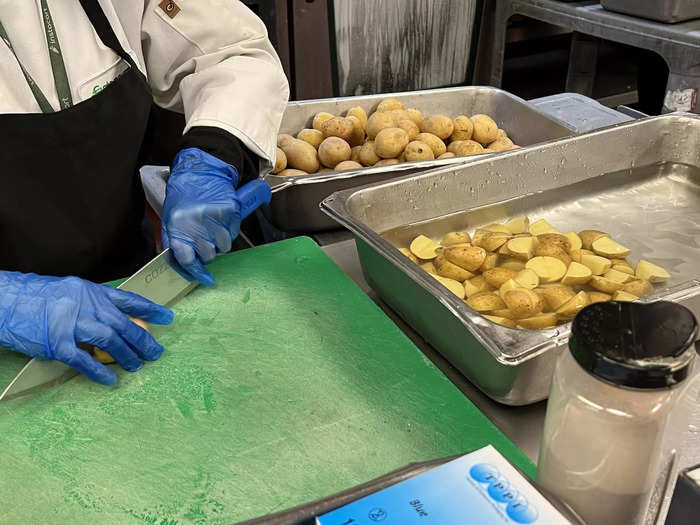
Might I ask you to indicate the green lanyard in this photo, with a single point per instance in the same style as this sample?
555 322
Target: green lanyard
60 77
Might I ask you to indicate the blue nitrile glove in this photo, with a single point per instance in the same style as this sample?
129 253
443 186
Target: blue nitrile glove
48 317
202 212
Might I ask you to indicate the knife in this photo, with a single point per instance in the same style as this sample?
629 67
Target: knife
160 281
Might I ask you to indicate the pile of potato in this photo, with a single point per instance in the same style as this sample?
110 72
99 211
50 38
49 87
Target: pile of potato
390 135
532 276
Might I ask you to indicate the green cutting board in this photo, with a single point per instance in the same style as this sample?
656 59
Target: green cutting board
282 384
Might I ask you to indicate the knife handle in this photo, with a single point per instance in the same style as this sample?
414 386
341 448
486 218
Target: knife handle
252 195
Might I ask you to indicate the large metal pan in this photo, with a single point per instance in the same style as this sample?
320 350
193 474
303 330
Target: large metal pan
296 208
670 11
639 181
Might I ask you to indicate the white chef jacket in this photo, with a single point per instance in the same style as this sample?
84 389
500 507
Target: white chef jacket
211 61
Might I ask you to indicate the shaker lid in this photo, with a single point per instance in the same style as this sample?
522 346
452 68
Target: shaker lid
635 345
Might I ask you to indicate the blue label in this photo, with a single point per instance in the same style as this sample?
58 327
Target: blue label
500 490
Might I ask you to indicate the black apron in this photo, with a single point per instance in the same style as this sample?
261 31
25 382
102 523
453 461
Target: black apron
71 201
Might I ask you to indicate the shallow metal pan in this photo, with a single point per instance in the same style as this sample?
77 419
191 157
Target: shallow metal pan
638 181
670 11
296 208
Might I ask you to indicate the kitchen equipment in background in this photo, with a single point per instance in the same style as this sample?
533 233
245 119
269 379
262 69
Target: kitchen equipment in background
613 395
685 506
646 198
669 11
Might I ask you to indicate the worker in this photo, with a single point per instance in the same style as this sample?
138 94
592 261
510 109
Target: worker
78 79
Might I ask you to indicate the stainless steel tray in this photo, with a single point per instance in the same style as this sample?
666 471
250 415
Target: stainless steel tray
663 10
639 181
296 208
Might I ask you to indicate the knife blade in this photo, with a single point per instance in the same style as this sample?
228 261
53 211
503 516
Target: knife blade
160 280
157 281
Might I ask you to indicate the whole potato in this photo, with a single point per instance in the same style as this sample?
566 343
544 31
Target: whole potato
435 143
291 173
388 104
283 139
332 151
312 136
415 115
447 155
368 154
410 128
280 161
338 127
387 162
348 165
463 128
301 155
319 119
377 122
463 148
398 115
500 145
485 129
390 142
501 134
355 153
358 132
417 150
359 113
439 125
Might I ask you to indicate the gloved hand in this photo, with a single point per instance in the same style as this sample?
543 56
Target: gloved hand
48 317
202 212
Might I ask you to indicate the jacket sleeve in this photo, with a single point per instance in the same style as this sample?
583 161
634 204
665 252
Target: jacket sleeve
212 61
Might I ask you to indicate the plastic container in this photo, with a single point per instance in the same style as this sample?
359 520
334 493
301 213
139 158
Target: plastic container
612 396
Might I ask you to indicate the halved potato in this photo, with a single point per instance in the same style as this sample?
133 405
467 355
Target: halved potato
429 267
510 284
475 285
554 239
548 269
575 255
485 302
651 272
598 265
556 295
503 312
620 277
455 238
424 247
453 286
468 257
489 262
488 240
540 227
497 276
599 297
638 287
522 247
523 303
518 225
408 254
606 247
574 241
605 285
513 264
445 268
588 236
553 250
623 267
577 274
621 295
527 279
570 308
501 320
539 322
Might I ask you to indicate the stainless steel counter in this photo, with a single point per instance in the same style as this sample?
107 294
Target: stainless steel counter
523 425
